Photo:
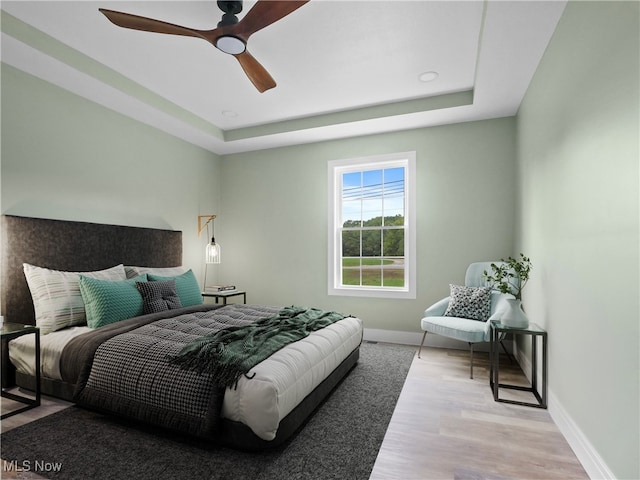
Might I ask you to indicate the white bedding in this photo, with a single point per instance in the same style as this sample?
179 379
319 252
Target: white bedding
21 351
280 383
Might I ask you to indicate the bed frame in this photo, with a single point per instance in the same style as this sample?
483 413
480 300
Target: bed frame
82 246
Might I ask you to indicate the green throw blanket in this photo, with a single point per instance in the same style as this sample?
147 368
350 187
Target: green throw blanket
230 353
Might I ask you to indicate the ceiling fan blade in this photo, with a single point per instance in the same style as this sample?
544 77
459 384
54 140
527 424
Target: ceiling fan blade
256 72
263 14
135 22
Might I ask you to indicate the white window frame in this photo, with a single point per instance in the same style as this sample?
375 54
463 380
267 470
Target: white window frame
335 170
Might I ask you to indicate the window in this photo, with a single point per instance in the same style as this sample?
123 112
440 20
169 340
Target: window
372 226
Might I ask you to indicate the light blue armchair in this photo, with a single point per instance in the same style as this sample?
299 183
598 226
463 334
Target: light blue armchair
464 329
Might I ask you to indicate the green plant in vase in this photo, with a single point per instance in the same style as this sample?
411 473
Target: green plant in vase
510 277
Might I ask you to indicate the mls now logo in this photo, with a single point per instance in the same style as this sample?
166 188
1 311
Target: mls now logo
29 466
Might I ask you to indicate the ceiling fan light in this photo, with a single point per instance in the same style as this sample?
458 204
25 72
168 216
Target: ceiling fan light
230 45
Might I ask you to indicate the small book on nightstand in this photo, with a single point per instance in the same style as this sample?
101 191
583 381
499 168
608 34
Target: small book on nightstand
219 288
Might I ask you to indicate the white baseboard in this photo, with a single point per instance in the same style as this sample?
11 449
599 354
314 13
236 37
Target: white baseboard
391 336
588 456
414 338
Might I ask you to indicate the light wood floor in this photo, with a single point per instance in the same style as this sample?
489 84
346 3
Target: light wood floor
446 426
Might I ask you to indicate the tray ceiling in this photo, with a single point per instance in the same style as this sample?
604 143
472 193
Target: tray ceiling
343 68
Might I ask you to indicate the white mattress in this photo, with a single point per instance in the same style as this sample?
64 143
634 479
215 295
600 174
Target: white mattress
281 381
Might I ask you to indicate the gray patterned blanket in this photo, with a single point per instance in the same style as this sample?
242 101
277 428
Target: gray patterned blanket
230 353
124 368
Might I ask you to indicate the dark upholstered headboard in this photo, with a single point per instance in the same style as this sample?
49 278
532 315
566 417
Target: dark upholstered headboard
74 246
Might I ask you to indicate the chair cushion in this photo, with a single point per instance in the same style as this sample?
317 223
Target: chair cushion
463 329
469 302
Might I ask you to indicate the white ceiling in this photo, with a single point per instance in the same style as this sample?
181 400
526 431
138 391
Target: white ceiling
343 68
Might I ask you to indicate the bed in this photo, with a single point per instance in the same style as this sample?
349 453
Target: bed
84 362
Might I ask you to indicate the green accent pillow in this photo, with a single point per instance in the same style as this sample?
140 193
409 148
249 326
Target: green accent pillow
108 302
186 285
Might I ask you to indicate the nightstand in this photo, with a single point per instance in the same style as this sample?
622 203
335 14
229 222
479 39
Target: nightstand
224 295
534 331
8 332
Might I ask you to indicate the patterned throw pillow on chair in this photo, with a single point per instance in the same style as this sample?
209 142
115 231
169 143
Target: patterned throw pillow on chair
469 302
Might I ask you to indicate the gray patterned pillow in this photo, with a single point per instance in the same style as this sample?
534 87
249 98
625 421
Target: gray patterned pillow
469 302
186 286
158 296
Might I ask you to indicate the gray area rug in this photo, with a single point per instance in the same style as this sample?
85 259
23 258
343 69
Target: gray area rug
340 441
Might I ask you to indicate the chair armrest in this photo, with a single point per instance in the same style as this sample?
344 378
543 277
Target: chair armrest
438 308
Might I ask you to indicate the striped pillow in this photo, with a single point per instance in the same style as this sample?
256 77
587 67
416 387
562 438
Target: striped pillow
56 295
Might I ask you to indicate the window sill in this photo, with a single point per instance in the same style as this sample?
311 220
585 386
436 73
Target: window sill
373 292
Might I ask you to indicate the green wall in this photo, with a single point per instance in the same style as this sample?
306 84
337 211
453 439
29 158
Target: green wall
68 158
578 221
274 228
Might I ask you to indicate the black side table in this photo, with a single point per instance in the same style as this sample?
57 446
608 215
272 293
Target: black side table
497 331
225 294
8 332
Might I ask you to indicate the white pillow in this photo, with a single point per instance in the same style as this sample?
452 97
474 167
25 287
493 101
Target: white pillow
56 295
159 271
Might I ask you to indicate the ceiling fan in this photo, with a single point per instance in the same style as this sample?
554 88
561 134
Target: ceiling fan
230 36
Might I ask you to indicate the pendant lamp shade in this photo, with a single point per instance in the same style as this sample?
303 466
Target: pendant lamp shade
212 252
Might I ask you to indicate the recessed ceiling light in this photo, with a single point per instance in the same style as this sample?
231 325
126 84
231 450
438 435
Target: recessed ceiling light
229 113
428 76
